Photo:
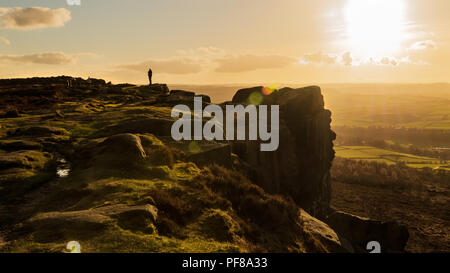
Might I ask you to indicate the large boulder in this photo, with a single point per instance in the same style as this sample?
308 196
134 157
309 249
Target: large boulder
181 97
120 150
219 225
300 168
243 95
319 236
134 218
359 231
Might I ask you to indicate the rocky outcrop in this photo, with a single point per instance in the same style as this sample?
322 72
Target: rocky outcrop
300 168
152 89
39 94
128 176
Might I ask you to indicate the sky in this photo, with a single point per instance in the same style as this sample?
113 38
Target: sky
228 41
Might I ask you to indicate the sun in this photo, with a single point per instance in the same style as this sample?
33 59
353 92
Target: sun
375 27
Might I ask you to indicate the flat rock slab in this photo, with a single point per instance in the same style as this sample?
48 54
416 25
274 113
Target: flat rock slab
40 131
17 145
94 221
24 159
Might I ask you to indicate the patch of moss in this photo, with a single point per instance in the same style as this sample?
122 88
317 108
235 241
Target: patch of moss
184 171
218 224
136 223
81 130
15 175
15 182
73 195
160 156
150 111
35 160
150 141
160 172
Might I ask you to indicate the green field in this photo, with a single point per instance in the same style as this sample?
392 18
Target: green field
375 154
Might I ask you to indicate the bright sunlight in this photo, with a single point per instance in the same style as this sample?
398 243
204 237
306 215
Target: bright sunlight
375 27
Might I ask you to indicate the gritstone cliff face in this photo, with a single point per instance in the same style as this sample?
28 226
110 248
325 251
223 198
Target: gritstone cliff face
300 168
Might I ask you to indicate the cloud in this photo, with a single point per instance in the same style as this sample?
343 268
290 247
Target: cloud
392 61
386 60
33 18
347 59
5 41
319 58
423 45
327 59
244 63
389 61
184 62
208 58
180 65
49 58
220 61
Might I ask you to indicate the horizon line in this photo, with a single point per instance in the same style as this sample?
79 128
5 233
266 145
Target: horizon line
245 83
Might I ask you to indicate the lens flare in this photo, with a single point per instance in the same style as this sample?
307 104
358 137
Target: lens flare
194 147
256 98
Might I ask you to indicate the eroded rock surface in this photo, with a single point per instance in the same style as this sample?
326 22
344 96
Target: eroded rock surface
300 168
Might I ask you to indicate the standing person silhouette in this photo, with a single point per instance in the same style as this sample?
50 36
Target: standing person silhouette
150 73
